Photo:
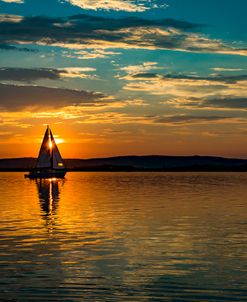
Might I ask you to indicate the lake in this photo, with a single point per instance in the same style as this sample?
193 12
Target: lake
124 237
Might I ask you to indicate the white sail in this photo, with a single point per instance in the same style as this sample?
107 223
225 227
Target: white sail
44 158
57 162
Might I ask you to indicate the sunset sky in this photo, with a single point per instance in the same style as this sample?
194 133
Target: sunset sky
124 77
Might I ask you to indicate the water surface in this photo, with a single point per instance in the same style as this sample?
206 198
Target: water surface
124 237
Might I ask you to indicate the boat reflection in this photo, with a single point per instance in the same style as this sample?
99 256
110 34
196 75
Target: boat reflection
49 191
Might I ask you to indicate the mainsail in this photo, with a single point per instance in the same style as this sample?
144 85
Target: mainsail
49 155
44 158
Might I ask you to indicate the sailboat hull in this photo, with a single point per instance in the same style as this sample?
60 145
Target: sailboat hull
46 174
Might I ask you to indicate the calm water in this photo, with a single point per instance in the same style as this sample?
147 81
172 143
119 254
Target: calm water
124 237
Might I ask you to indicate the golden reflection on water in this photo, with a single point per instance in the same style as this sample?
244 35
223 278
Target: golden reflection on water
48 192
128 233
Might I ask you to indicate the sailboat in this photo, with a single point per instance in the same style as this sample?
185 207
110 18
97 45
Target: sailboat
49 163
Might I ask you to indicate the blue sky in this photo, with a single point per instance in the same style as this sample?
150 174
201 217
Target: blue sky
124 77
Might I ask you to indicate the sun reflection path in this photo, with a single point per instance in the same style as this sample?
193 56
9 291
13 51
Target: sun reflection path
48 192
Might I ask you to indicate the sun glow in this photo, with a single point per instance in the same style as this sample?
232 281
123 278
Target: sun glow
52 179
59 140
50 144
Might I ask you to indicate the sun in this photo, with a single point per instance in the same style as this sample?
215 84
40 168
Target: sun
59 140
50 144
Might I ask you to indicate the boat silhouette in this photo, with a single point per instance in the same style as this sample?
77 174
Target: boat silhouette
49 163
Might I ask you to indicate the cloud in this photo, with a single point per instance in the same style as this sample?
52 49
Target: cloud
144 67
10 18
84 32
117 5
226 69
190 119
171 86
220 92
225 102
212 103
135 102
91 54
97 23
33 74
25 74
76 72
165 120
13 1
14 97
193 78
108 5
182 90
113 118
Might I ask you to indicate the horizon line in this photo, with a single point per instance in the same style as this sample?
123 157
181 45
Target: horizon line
134 155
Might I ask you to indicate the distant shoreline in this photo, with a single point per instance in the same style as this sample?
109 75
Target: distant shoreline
149 163
138 170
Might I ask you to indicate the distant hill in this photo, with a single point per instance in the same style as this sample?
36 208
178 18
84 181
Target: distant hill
137 163
15 164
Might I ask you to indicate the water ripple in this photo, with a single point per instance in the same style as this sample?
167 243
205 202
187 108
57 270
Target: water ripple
124 237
